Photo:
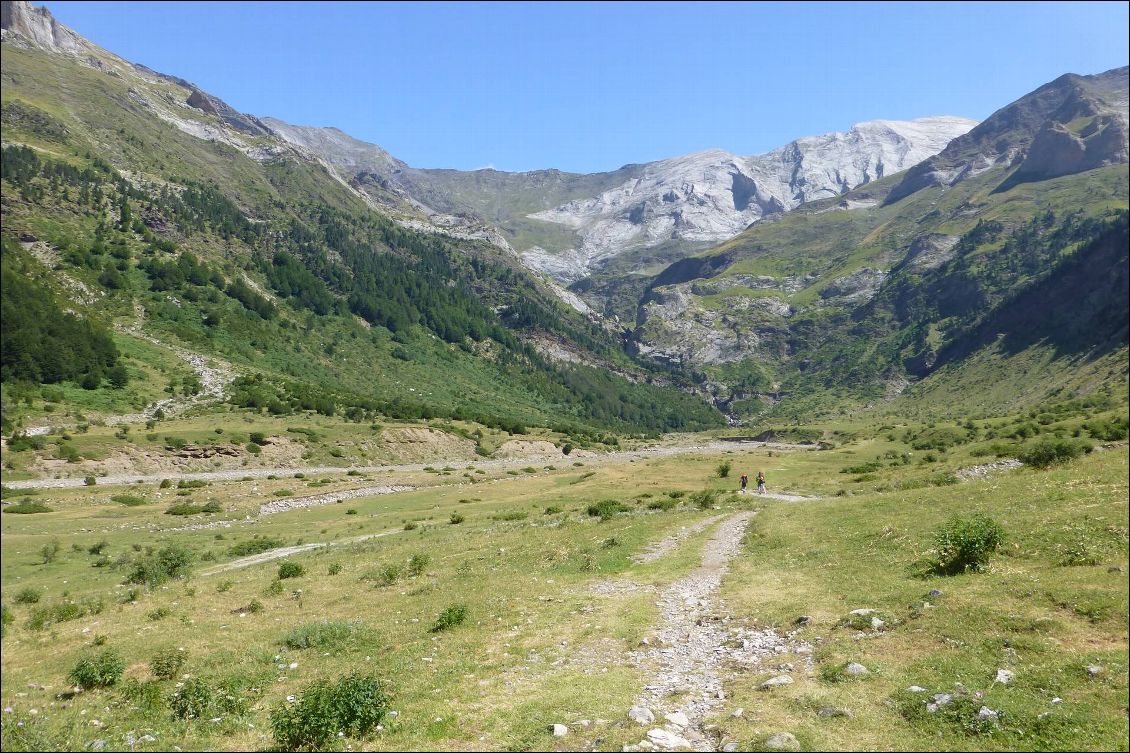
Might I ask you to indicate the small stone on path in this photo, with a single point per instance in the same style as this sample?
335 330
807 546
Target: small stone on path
667 740
678 718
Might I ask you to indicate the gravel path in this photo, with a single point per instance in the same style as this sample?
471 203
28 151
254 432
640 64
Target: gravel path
694 646
238 474
214 379
666 545
286 551
293 503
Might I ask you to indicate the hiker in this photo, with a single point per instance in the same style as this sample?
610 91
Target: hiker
760 482
745 480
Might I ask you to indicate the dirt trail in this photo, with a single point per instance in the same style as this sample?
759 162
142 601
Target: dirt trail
624 456
214 377
286 551
693 647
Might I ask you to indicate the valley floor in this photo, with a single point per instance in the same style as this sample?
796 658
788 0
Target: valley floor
629 601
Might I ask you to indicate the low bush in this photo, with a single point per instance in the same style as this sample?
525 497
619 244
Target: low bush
704 499
167 664
47 615
198 698
291 570
129 500
1051 452
456 614
724 469
418 563
965 544
28 595
25 508
98 671
353 706
663 504
456 518
171 562
606 509
255 545
1108 430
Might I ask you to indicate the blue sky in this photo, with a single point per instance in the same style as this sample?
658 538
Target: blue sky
592 86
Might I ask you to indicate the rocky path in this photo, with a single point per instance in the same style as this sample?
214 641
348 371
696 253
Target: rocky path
237 474
214 378
286 551
695 645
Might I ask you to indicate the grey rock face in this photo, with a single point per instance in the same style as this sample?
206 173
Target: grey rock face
783 741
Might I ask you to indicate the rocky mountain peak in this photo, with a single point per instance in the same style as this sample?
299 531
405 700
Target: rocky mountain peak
37 27
1071 124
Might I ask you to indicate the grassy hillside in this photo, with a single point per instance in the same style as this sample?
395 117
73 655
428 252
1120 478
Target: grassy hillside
272 265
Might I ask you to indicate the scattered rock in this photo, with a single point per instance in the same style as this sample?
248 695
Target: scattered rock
730 747
1005 676
916 689
641 715
987 713
1057 699
855 669
559 730
829 712
783 741
804 619
737 713
862 612
97 744
775 682
678 718
667 740
877 624
935 593
1094 671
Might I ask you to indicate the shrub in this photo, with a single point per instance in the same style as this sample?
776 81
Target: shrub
47 615
199 699
964 544
704 499
212 506
99 671
334 568
90 481
254 545
662 504
291 570
456 518
456 614
184 508
320 635
388 574
552 510
159 613
257 437
1051 452
410 526
191 484
28 596
418 563
129 500
171 562
165 484
1111 430
224 586
167 664
606 509
354 706
724 469
49 551
27 508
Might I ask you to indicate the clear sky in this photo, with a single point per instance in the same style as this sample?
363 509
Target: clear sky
592 86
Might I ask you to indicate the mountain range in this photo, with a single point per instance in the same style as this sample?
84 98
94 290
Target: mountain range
900 260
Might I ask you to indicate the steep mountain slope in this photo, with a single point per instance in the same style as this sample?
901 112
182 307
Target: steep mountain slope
1072 124
570 226
974 254
132 195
